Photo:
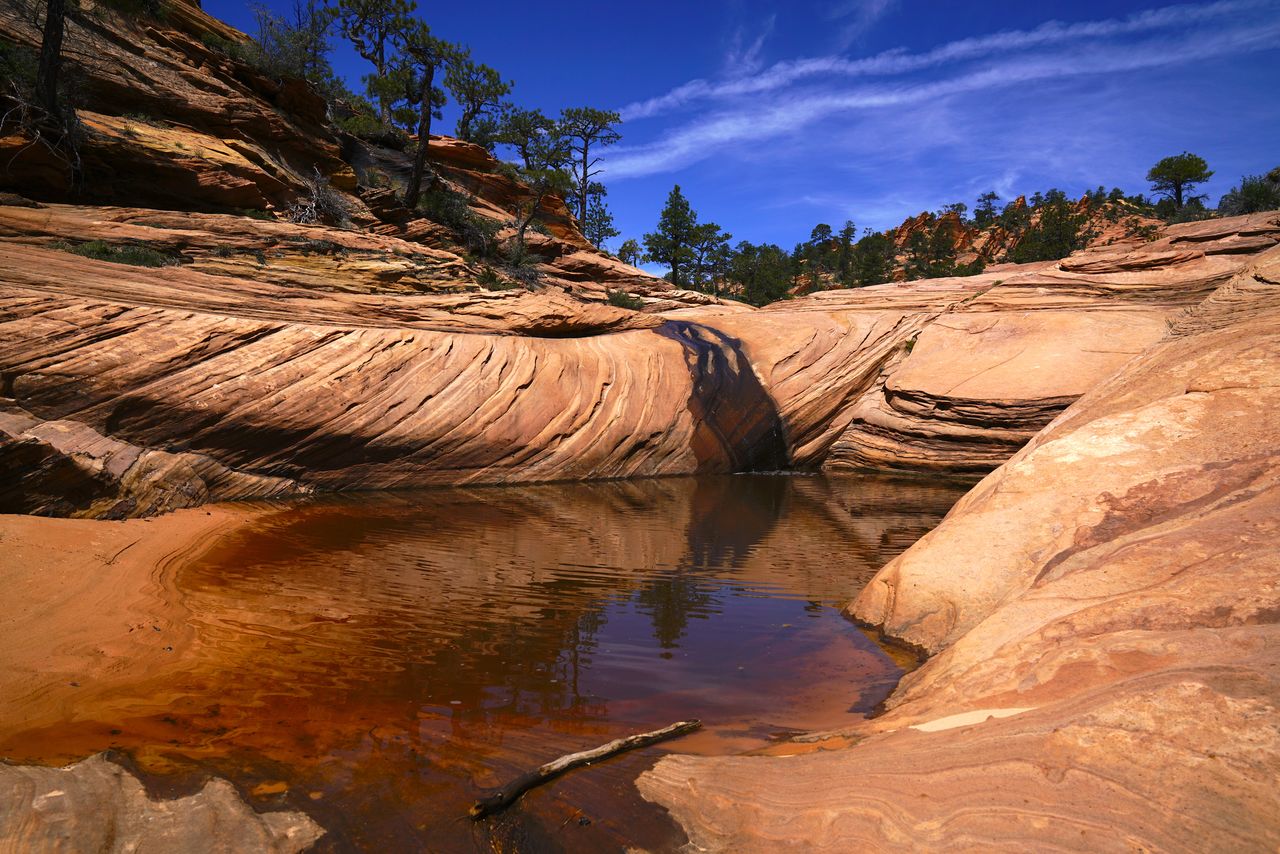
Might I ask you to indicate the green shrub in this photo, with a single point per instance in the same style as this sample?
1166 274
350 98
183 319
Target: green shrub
129 253
622 299
477 234
491 281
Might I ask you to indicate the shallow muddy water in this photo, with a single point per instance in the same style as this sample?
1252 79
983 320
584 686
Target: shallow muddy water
380 661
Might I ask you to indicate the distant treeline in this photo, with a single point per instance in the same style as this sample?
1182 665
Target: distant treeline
1046 226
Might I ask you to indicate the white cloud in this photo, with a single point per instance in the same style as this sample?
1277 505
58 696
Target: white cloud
898 61
788 110
856 17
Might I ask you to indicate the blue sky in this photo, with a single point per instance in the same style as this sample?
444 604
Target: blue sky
775 116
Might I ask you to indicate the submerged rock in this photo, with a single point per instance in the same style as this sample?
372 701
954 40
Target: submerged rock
96 805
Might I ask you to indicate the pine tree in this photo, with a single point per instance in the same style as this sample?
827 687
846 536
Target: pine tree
670 243
598 225
1175 177
422 56
371 26
586 129
478 91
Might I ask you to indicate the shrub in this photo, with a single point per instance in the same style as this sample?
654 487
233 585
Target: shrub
1255 193
320 203
450 209
622 299
491 281
136 255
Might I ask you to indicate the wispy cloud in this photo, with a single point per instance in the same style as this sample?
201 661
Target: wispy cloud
897 62
743 59
856 17
1067 51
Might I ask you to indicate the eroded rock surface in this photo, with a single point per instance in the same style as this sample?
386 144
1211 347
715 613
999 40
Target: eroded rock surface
1103 614
274 358
96 805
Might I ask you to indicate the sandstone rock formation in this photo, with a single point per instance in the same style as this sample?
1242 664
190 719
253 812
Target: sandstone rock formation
98 805
277 358
171 121
1103 613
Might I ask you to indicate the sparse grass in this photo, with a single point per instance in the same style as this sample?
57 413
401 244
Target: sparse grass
129 253
622 299
256 213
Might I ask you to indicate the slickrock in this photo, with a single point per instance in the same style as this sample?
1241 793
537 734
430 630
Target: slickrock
275 357
1103 614
998 364
96 805
225 378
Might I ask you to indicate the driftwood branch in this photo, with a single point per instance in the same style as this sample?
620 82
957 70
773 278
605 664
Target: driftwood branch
511 792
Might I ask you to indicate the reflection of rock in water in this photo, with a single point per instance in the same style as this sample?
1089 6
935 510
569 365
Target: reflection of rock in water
387 655
95 805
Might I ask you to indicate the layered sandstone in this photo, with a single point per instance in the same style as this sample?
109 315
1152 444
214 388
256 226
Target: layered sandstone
272 358
1102 611
169 120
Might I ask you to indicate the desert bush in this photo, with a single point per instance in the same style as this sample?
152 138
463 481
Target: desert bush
129 253
622 299
320 202
449 208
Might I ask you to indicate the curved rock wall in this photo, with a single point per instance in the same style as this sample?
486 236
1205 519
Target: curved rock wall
275 357
1103 613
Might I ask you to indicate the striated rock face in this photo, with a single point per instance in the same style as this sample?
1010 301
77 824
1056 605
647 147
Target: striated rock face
95 805
170 121
1103 611
278 358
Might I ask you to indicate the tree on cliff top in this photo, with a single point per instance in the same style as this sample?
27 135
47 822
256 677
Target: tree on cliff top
629 252
598 227
422 55
1175 177
522 130
670 243
587 128
479 91
545 171
371 26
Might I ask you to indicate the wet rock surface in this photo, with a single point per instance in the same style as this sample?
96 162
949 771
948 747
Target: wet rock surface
96 805
1102 615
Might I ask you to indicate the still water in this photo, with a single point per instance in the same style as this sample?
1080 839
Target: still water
381 661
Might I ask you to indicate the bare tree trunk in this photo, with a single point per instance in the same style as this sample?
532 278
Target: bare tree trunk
524 226
51 57
384 112
414 190
582 195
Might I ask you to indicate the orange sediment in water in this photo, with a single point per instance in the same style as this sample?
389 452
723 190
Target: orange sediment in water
380 661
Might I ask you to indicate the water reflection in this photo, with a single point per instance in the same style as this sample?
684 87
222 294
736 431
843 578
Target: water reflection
379 661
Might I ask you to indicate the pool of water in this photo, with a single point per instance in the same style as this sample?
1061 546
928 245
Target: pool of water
381 661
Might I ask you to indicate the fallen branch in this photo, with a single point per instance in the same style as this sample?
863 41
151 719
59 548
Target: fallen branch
511 792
